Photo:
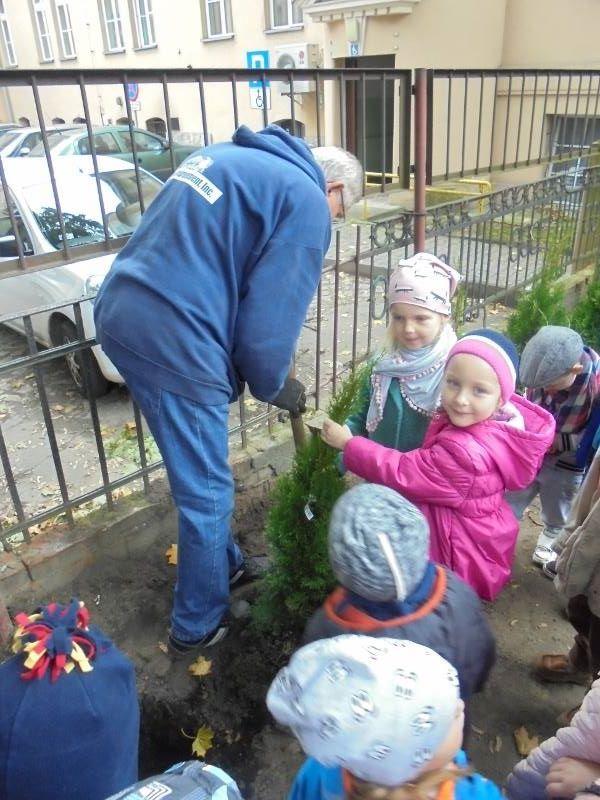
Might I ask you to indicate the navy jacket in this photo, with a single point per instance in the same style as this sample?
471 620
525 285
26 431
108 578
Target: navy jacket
213 287
451 622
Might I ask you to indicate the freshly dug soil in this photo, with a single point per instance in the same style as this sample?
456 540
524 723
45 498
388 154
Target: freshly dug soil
131 601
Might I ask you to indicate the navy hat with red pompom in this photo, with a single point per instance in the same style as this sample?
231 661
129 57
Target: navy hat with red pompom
70 717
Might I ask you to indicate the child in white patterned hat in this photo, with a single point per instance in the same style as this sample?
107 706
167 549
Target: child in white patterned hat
404 387
381 719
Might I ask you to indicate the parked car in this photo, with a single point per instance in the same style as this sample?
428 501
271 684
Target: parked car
40 232
15 142
152 152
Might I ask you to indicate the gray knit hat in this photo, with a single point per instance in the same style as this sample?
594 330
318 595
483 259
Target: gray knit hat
548 355
378 543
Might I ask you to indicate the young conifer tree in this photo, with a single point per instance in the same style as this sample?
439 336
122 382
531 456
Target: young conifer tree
300 577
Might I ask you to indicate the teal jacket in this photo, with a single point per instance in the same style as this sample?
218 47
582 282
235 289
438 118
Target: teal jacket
401 427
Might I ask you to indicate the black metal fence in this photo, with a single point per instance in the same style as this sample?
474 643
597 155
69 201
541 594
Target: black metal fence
66 443
484 121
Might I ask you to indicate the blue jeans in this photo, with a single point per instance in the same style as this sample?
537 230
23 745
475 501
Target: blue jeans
192 439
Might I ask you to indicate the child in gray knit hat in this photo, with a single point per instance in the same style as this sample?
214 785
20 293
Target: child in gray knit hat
379 552
562 376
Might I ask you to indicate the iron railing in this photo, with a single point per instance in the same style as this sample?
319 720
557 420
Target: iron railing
484 121
60 452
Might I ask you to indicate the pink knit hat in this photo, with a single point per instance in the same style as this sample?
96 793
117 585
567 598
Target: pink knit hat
423 280
497 351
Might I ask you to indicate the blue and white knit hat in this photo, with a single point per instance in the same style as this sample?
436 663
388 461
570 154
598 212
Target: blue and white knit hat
380 708
497 351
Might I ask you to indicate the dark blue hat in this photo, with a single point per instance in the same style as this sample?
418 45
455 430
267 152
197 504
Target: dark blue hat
69 726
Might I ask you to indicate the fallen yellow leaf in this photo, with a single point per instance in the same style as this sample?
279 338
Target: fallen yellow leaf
162 646
129 426
200 667
171 554
203 741
524 742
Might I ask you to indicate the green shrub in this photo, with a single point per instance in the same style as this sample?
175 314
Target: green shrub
544 303
586 316
300 576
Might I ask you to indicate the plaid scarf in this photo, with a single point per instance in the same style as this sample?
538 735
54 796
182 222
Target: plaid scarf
571 408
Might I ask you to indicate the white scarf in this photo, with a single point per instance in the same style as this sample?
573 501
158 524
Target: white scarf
419 373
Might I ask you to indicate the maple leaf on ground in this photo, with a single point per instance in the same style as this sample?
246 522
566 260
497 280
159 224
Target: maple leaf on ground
203 741
524 742
200 667
171 554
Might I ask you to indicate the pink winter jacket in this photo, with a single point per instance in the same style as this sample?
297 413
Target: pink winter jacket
581 740
458 479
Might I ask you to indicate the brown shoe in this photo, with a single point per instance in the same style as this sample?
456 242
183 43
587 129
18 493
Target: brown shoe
558 669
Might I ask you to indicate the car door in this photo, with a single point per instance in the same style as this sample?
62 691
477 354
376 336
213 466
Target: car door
152 153
21 292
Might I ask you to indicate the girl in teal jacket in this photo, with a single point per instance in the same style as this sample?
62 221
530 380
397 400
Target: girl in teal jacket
402 393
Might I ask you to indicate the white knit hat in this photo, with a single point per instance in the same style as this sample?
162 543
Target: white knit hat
380 708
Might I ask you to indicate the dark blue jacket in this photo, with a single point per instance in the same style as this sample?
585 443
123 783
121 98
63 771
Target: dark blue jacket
213 287
450 621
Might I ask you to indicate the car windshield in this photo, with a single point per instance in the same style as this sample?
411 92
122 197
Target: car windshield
80 206
54 138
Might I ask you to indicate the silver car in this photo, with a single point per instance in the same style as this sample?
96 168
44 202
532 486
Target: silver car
40 232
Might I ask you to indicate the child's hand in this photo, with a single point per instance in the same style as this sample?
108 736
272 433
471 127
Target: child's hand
335 435
567 776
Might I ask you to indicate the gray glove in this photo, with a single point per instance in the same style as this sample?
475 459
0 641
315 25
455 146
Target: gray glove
292 397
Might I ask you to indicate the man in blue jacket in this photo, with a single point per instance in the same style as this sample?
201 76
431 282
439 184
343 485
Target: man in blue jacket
208 294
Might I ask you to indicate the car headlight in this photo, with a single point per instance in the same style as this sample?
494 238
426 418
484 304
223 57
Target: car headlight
92 284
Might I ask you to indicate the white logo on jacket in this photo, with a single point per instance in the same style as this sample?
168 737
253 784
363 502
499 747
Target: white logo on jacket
191 173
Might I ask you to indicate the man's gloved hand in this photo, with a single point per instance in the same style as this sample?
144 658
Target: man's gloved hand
292 397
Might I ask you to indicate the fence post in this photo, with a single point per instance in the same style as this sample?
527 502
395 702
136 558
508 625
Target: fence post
585 245
420 157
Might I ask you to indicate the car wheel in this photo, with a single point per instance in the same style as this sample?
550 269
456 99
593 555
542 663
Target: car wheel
65 333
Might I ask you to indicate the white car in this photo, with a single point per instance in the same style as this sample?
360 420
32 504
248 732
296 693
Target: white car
39 229
19 142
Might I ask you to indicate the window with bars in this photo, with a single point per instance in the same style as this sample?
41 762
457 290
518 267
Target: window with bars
284 13
9 55
143 18
40 18
216 18
112 26
64 29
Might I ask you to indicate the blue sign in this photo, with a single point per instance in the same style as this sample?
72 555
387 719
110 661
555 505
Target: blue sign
257 59
133 91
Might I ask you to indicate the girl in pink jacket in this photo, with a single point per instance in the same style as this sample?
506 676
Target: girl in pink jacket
485 441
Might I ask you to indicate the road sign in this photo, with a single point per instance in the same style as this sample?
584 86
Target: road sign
133 91
258 98
353 49
135 105
257 59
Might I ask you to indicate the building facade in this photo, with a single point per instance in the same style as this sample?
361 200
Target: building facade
234 34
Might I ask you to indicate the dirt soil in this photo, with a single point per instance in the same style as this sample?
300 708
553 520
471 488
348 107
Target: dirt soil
131 602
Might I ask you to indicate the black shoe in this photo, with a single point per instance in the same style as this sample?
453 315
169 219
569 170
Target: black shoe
252 569
179 648
549 568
